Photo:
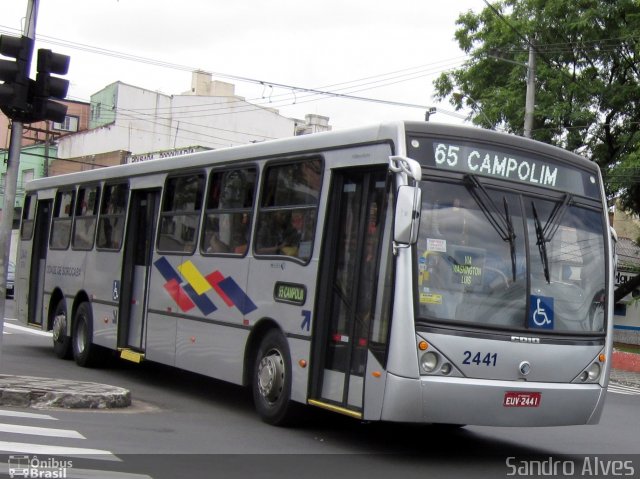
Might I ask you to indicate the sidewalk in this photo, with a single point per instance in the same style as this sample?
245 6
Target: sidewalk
625 368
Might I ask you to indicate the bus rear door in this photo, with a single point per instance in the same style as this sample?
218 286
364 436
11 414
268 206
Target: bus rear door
136 262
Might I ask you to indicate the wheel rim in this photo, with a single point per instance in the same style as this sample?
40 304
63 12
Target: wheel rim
81 336
271 376
59 327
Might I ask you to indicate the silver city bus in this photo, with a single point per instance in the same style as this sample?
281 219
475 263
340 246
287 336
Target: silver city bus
409 272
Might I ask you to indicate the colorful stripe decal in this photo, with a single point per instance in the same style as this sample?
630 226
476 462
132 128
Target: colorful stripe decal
189 271
166 270
188 287
202 301
214 280
177 293
239 298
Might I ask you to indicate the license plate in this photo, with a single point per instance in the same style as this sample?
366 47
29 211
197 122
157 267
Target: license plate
521 399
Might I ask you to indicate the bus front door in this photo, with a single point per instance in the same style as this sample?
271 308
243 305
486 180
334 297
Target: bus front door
35 290
346 306
136 262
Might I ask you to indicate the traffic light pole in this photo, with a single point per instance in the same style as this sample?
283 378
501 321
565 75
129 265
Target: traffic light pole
11 181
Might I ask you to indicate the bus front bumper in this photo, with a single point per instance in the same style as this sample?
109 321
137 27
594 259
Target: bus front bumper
490 403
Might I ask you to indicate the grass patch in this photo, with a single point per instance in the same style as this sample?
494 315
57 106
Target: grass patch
627 348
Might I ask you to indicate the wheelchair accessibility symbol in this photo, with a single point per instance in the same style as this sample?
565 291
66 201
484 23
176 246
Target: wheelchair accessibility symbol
541 312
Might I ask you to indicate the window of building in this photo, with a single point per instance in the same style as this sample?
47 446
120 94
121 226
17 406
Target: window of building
288 209
70 123
84 225
228 211
27 176
62 218
180 216
113 209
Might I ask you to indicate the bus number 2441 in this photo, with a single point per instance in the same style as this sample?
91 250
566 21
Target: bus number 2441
488 359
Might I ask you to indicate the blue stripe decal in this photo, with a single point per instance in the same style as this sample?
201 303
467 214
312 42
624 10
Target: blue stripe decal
239 298
628 328
166 270
202 301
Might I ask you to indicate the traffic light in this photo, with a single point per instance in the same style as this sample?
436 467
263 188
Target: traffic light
47 86
14 92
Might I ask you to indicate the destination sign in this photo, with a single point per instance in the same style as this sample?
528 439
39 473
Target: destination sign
509 165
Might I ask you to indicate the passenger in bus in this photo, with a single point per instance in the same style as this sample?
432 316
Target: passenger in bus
277 234
240 239
289 246
216 245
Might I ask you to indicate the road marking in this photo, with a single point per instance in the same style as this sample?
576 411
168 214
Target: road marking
623 389
30 415
24 329
40 431
48 450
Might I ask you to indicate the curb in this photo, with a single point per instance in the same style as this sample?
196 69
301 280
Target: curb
626 361
29 391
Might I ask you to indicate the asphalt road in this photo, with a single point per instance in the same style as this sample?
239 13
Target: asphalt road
186 425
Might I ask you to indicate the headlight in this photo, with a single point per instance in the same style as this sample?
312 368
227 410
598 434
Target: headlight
429 361
591 374
594 372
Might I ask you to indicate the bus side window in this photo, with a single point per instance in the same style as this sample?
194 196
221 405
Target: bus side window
180 216
228 211
62 217
288 209
112 216
28 217
84 225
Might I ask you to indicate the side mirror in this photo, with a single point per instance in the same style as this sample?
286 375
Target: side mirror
407 220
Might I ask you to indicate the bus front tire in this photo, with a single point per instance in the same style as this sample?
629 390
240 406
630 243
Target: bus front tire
271 381
85 353
61 341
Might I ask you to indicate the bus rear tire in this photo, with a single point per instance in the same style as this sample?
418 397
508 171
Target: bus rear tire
85 353
271 381
61 341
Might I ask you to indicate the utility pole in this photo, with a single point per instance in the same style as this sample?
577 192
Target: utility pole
531 91
13 163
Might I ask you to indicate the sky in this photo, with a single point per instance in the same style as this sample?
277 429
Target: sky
390 51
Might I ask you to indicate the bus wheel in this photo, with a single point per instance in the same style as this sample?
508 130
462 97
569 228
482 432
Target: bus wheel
61 342
271 381
85 353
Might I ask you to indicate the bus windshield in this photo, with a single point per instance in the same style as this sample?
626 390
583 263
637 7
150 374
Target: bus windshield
495 258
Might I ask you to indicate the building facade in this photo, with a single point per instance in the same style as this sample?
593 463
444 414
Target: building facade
38 147
627 311
210 116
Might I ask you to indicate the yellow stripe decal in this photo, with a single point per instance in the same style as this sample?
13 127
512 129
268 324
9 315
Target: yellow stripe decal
198 282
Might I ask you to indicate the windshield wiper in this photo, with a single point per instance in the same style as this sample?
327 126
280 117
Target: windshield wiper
541 242
512 237
501 223
546 234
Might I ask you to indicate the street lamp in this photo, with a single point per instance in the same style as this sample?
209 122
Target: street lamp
429 112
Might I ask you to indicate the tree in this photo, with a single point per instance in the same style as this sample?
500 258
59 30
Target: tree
587 79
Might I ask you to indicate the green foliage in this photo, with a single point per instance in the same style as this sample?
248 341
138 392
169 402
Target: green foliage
587 79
